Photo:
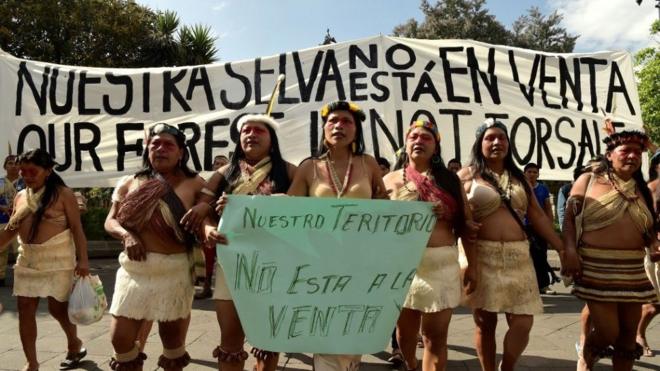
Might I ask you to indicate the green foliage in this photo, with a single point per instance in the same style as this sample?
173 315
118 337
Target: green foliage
98 33
93 224
647 63
196 45
538 32
455 19
469 19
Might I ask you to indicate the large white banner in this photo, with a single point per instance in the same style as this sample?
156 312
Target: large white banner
92 119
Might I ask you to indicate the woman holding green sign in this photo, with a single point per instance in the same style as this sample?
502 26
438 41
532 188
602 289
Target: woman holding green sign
255 168
340 169
436 287
500 197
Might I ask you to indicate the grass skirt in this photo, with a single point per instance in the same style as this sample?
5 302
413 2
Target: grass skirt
221 290
507 282
157 289
436 285
46 269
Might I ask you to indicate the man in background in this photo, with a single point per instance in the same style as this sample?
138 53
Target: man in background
209 254
454 165
10 184
544 272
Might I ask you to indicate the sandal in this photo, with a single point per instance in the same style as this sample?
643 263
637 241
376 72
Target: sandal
647 351
72 360
396 358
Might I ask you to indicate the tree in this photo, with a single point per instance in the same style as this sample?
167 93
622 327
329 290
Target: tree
468 19
99 33
455 19
536 31
196 45
648 74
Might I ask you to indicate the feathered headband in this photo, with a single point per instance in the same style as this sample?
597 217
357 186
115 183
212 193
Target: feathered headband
342 105
491 123
426 125
615 139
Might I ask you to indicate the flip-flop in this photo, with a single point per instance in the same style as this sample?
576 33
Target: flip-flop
73 360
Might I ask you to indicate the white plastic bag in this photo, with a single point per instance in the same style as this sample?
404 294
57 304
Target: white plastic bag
87 302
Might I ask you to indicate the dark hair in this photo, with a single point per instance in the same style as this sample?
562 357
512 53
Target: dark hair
43 159
278 172
220 156
454 161
444 179
147 168
653 167
531 165
358 117
579 170
383 162
604 168
8 158
479 163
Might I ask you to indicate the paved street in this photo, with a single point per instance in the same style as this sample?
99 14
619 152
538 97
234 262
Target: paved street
551 346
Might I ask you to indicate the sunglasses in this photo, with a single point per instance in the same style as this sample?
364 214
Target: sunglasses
167 129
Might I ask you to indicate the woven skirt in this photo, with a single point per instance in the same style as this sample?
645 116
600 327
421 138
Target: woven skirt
437 283
613 275
507 282
46 269
159 288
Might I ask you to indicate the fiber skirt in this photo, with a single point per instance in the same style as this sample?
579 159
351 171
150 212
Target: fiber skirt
46 269
613 275
159 288
337 362
221 290
507 281
437 284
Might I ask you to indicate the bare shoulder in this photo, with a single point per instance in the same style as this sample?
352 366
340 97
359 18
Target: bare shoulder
466 174
196 182
66 193
306 165
393 179
580 185
653 185
290 169
124 185
370 160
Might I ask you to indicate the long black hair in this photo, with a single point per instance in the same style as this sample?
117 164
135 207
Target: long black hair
478 162
148 169
279 174
653 167
358 117
444 179
43 159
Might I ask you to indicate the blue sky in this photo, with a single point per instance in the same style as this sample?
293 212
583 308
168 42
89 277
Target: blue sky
251 28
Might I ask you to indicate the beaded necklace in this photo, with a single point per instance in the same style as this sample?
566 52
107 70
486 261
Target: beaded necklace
338 187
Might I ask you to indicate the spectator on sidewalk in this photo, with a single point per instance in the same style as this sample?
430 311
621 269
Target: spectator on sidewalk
10 185
545 275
